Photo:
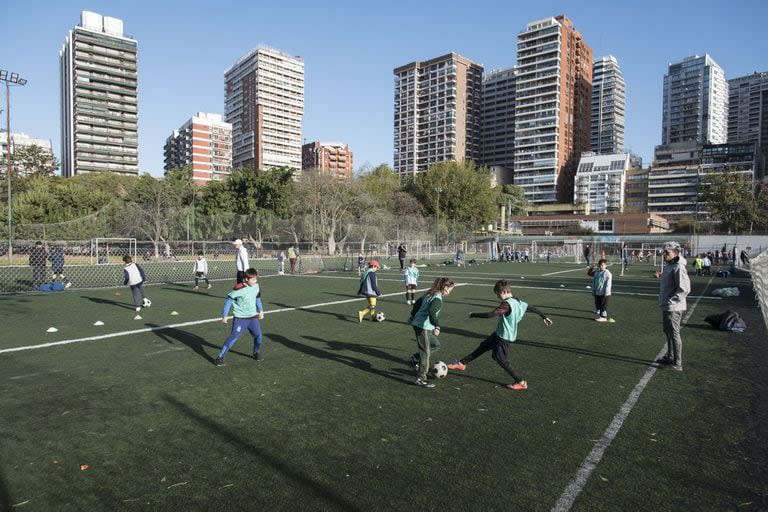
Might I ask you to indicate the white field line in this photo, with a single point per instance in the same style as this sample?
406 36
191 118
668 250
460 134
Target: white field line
564 271
164 351
183 324
588 465
16 377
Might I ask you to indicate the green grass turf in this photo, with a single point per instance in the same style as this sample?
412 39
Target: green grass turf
331 420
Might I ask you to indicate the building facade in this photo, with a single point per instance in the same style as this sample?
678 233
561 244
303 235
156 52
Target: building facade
330 158
99 91
600 182
636 190
498 123
264 103
695 102
680 170
204 143
748 114
22 140
437 112
553 94
608 103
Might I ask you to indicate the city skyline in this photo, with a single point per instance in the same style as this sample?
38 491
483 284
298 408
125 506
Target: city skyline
348 72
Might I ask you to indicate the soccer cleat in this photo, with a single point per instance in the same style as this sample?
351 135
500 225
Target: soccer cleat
360 316
677 367
138 308
457 365
518 386
219 362
424 384
197 287
256 356
69 283
209 286
601 319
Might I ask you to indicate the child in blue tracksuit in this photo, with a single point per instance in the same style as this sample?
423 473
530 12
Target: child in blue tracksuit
248 310
602 280
510 312
369 288
133 276
57 266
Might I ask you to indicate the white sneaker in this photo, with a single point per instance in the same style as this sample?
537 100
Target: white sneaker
601 319
209 286
138 308
197 287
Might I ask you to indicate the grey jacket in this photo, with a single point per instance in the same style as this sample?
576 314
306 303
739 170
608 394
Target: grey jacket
674 286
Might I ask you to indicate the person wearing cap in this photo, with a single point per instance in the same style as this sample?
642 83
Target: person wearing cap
241 260
674 287
369 288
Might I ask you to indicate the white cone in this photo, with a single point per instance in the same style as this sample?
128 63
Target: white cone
589 287
137 317
562 286
98 322
52 329
174 313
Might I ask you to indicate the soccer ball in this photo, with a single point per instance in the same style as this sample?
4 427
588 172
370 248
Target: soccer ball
147 302
380 316
440 369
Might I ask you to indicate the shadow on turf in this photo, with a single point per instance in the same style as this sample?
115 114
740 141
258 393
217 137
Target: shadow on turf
232 438
337 346
5 498
193 341
585 352
99 300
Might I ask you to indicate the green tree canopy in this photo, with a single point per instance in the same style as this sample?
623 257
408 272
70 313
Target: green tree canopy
732 200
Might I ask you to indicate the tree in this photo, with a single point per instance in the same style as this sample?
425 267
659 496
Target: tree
731 199
33 160
513 196
459 192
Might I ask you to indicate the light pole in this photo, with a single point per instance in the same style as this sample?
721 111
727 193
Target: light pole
437 216
9 78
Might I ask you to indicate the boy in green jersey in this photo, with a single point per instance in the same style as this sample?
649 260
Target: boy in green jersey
248 310
509 313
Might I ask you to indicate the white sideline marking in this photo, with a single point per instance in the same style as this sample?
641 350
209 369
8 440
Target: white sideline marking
185 324
164 351
16 377
564 271
594 457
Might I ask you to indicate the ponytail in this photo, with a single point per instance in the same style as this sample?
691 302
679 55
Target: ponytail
439 284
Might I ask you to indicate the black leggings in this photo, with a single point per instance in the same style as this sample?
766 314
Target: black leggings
499 350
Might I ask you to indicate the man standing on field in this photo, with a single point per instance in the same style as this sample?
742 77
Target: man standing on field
673 290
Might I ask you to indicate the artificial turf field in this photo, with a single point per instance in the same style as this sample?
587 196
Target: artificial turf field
331 419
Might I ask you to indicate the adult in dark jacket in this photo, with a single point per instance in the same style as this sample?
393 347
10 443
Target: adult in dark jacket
38 258
401 253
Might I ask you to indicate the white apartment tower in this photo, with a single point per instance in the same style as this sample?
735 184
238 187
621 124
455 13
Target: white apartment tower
748 114
600 181
608 104
695 102
264 102
204 143
99 109
498 122
437 112
553 94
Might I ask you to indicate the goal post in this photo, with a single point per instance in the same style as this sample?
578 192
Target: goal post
105 251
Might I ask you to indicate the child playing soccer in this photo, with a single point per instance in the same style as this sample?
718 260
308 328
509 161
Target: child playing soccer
411 278
426 327
201 270
510 312
133 276
360 264
57 266
369 288
602 279
248 310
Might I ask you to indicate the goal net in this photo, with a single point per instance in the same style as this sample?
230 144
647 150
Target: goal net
111 250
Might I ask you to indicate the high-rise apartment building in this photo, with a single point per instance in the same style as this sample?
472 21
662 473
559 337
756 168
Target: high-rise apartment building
330 158
695 102
264 102
204 143
498 123
22 140
636 190
608 103
600 181
748 114
553 94
437 112
99 108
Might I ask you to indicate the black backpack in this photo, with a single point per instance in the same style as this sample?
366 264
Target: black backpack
727 321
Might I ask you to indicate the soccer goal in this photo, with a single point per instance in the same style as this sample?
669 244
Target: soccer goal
105 251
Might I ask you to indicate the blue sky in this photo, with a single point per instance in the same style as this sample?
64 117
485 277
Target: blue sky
350 49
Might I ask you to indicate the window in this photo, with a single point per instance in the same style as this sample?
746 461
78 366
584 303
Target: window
605 225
